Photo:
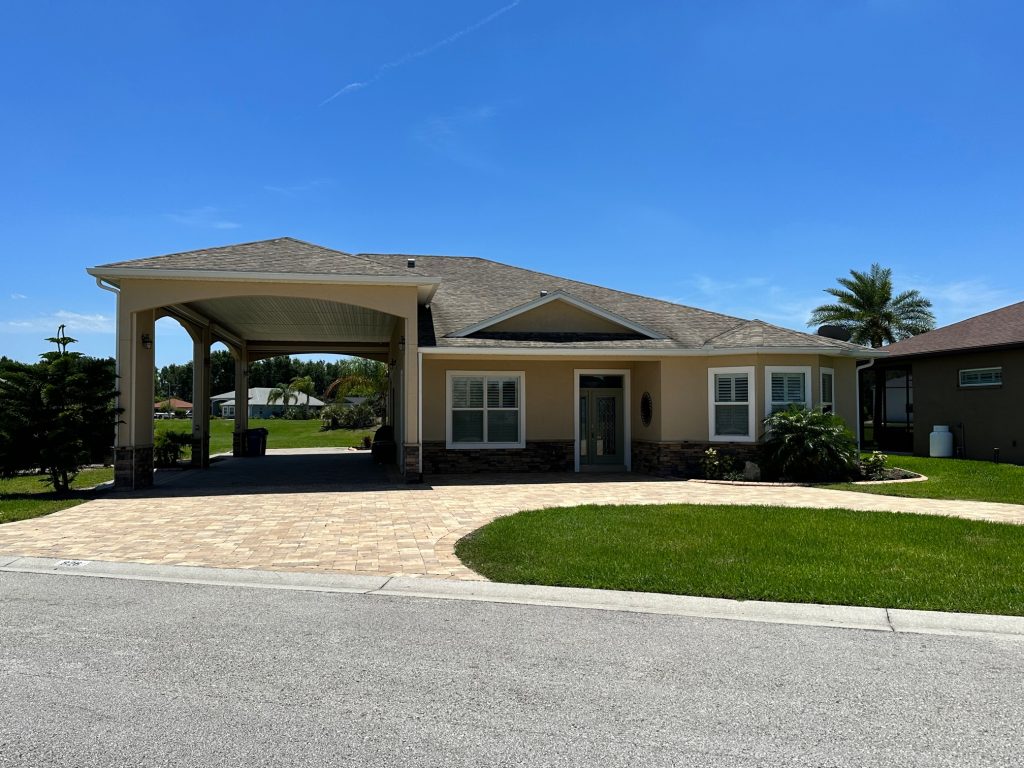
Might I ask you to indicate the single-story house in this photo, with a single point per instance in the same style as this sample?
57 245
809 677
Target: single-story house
172 404
260 406
968 376
493 367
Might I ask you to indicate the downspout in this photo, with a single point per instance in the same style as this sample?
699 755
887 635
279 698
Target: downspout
860 420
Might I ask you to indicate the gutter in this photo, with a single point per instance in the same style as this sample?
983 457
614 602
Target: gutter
613 352
107 286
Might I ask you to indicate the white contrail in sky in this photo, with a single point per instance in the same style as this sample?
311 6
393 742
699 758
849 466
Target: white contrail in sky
357 85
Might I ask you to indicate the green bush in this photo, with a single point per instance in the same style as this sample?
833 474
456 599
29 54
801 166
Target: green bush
348 417
168 447
715 466
874 466
809 446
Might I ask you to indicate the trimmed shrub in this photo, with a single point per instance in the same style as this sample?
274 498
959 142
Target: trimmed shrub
809 446
168 447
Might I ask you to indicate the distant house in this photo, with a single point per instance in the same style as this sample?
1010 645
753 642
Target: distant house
968 376
172 404
259 407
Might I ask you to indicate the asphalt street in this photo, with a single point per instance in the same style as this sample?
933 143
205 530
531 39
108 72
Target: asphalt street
108 672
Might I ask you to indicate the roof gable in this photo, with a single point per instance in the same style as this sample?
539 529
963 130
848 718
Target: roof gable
560 313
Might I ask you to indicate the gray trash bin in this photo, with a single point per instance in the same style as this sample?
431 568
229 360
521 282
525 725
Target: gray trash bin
256 442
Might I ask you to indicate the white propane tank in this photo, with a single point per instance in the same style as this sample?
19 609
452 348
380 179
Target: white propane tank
940 442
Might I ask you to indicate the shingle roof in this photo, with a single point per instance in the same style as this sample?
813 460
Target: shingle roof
283 255
997 328
472 290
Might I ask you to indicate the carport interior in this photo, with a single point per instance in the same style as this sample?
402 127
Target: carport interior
255 320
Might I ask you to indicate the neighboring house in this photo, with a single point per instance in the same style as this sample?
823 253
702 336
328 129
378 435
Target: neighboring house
492 367
172 404
259 405
968 376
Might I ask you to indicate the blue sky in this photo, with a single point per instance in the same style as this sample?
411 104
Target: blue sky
737 156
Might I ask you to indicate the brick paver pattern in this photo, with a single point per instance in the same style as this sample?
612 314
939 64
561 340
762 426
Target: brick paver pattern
397 530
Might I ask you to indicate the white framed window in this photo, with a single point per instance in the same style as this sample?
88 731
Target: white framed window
981 377
786 385
731 405
828 390
484 409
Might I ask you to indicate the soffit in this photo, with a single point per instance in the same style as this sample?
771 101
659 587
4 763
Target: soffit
281 318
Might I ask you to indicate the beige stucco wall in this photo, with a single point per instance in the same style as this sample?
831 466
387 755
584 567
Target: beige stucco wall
678 387
136 294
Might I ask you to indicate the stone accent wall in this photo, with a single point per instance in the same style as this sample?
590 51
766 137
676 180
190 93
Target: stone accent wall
238 444
412 463
201 452
133 466
683 459
537 456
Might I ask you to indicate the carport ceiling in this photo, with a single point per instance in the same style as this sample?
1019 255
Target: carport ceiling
278 318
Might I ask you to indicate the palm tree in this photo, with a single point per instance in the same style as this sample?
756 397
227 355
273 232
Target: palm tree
303 385
362 376
866 307
282 392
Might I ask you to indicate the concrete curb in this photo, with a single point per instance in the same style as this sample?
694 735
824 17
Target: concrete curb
838 616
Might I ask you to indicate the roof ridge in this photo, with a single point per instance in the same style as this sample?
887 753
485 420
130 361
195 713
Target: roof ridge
231 245
588 285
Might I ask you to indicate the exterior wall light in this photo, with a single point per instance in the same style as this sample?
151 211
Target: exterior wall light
147 341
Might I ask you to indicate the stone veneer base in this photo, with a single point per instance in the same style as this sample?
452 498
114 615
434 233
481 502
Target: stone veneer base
682 459
133 466
537 456
411 463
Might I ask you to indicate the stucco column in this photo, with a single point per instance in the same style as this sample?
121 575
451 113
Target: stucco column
133 453
410 394
241 399
201 341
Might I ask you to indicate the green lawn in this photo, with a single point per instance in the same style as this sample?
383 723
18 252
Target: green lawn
952 479
284 433
27 496
760 553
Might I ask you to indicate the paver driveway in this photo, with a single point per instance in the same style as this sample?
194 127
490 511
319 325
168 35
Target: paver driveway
317 510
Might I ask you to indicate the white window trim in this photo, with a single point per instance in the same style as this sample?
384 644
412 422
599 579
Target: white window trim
627 410
751 435
962 371
449 375
821 388
770 369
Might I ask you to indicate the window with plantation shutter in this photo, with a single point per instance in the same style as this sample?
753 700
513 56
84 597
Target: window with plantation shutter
730 416
485 410
786 386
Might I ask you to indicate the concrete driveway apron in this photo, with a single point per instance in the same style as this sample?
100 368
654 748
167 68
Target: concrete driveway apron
335 511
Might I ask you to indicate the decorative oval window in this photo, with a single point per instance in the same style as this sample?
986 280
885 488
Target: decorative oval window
646 408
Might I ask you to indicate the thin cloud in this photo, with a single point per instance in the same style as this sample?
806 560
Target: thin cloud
74 322
454 136
403 60
207 217
18 296
959 299
293 190
748 298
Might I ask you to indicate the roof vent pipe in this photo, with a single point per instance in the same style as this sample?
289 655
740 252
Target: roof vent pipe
543 293
410 263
